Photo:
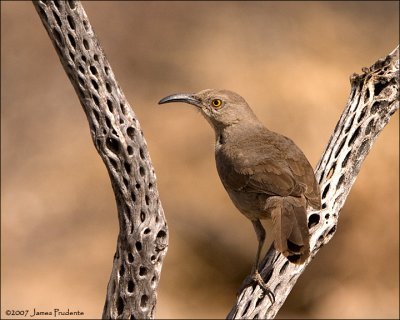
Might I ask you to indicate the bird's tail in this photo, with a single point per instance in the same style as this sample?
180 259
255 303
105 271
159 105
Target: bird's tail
291 236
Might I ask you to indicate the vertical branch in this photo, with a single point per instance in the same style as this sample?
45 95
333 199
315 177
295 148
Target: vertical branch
143 235
374 98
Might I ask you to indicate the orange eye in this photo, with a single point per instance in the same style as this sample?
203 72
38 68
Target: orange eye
216 103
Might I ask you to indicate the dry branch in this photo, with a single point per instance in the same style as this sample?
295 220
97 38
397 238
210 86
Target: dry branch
374 98
143 235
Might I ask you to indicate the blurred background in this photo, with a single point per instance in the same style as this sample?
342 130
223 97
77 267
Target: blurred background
290 60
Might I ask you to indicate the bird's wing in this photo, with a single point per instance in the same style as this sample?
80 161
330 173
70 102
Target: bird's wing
275 167
259 170
271 177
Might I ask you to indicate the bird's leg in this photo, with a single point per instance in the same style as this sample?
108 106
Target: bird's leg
255 274
260 232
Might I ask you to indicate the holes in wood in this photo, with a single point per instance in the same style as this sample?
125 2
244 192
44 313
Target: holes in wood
323 206
42 13
379 87
138 246
108 87
110 105
147 231
340 182
131 286
147 200
121 270
107 70
95 84
126 183
354 136
142 216
81 81
346 158
131 132
57 18
370 126
259 300
86 44
114 163
141 152
313 220
130 257
285 265
367 95
347 129
143 301
268 275
96 100
340 147
122 106
363 147
130 150
362 114
84 59
326 189
375 107
71 4
112 144
331 171
93 70
71 40
120 306
142 171
96 57
132 228
127 167
246 308
108 122
96 115
138 186
142 271
161 234
332 230
81 69
133 196
71 22
58 37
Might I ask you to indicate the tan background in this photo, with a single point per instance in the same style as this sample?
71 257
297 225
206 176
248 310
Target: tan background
291 61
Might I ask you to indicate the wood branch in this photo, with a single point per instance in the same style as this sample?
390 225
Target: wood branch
374 98
143 235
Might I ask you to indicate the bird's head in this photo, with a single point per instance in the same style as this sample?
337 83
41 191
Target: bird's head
221 108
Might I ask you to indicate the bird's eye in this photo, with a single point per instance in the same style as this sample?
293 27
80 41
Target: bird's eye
216 103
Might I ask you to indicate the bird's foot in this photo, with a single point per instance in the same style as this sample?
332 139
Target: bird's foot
256 278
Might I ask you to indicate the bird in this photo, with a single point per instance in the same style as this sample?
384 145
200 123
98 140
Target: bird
265 174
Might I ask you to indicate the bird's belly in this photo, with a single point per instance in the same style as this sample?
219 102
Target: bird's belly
252 205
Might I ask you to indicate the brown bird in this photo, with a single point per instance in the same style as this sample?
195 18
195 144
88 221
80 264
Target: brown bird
265 174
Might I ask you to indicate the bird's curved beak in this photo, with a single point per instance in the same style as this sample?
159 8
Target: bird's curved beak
181 97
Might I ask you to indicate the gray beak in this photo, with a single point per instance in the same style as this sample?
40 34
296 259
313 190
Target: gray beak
181 97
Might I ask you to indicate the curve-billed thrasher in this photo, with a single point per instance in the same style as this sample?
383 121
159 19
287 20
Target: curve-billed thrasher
265 174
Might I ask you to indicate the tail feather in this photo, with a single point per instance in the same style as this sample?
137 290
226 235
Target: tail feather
291 236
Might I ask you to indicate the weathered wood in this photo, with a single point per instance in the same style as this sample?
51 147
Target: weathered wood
374 98
143 235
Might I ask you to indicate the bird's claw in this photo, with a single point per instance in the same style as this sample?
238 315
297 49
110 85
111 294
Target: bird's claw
256 277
